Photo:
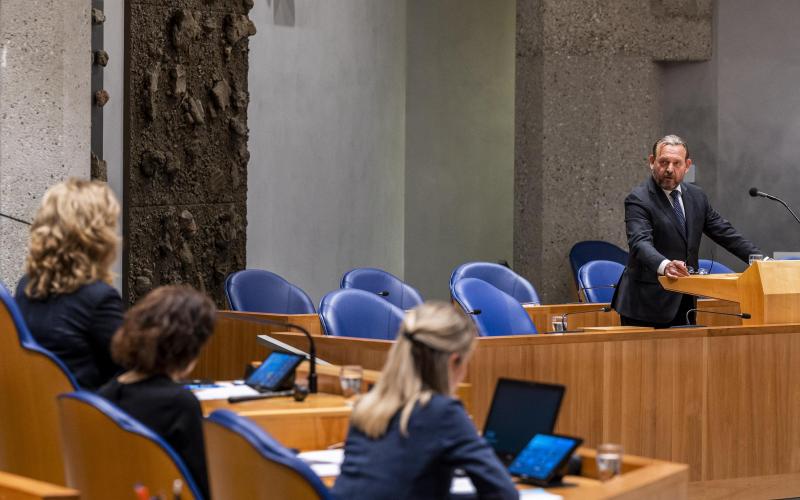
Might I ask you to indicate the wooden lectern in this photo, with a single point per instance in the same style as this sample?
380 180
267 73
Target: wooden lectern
768 290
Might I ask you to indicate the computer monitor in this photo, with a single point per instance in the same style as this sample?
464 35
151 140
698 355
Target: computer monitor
520 409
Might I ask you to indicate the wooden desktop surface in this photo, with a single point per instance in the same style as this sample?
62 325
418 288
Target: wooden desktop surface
723 400
316 423
234 343
640 478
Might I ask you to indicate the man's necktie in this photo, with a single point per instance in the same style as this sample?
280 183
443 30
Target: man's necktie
676 207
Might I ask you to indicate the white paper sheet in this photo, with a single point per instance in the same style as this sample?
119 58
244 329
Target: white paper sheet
322 456
224 391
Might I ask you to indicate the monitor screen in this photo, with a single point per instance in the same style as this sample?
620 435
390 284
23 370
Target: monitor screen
543 456
520 409
273 371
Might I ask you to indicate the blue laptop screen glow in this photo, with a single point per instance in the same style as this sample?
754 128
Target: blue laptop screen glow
273 370
541 456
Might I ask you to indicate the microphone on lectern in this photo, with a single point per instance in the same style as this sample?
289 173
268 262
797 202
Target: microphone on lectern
754 192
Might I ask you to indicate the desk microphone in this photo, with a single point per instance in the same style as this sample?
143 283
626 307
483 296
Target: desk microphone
604 309
15 219
754 192
312 349
473 312
696 310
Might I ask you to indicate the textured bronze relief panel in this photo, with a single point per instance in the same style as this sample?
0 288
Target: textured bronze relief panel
186 169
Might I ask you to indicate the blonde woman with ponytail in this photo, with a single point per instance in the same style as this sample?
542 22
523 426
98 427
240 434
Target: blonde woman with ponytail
408 434
65 296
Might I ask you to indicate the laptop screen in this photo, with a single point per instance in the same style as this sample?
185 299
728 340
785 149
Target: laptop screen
520 409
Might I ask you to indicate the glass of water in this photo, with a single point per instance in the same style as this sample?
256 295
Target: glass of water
559 323
350 378
754 257
609 461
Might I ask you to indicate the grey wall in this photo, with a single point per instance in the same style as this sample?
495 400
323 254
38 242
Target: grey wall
741 114
459 137
327 123
45 57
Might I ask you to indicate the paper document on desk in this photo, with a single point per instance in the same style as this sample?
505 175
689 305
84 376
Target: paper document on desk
538 494
324 463
224 390
463 486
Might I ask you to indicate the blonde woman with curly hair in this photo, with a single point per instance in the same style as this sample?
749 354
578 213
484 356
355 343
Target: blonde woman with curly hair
66 295
409 434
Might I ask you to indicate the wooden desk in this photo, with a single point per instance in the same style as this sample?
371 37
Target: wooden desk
13 487
588 315
724 400
640 478
316 423
747 488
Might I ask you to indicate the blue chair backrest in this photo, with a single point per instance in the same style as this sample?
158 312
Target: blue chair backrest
494 311
791 257
385 284
268 448
85 437
349 312
598 278
26 340
714 267
256 290
589 250
30 379
500 277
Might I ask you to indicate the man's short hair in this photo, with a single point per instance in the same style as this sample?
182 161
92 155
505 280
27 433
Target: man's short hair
670 140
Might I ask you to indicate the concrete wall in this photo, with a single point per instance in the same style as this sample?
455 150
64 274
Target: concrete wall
741 114
45 63
327 123
588 107
459 137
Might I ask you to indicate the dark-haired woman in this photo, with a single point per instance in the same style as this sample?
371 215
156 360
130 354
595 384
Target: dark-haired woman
408 434
158 344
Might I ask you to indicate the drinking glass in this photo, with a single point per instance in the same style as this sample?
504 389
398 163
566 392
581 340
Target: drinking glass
350 378
754 257
609 461
558 322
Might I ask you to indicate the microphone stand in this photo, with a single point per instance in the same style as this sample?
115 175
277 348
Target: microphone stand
755 192
604 309
696 310
312 349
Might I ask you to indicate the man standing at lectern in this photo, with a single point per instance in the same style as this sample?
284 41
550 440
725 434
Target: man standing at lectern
665 220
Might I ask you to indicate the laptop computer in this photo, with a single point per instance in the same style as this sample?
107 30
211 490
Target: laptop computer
520 410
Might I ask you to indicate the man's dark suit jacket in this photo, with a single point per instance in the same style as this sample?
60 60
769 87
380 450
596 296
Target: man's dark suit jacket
654 234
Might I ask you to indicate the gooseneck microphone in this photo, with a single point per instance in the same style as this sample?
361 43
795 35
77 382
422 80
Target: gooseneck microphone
696 310
754 192
11 217
312 348
604 309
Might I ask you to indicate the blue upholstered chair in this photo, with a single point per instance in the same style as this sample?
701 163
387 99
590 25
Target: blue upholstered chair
255 290
350 312
589 250
791 257
714 267
385 284
500 277
107 452
597 279
30 379
246 462
494 311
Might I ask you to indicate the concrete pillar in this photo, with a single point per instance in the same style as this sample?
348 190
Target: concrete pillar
45 65
588 108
